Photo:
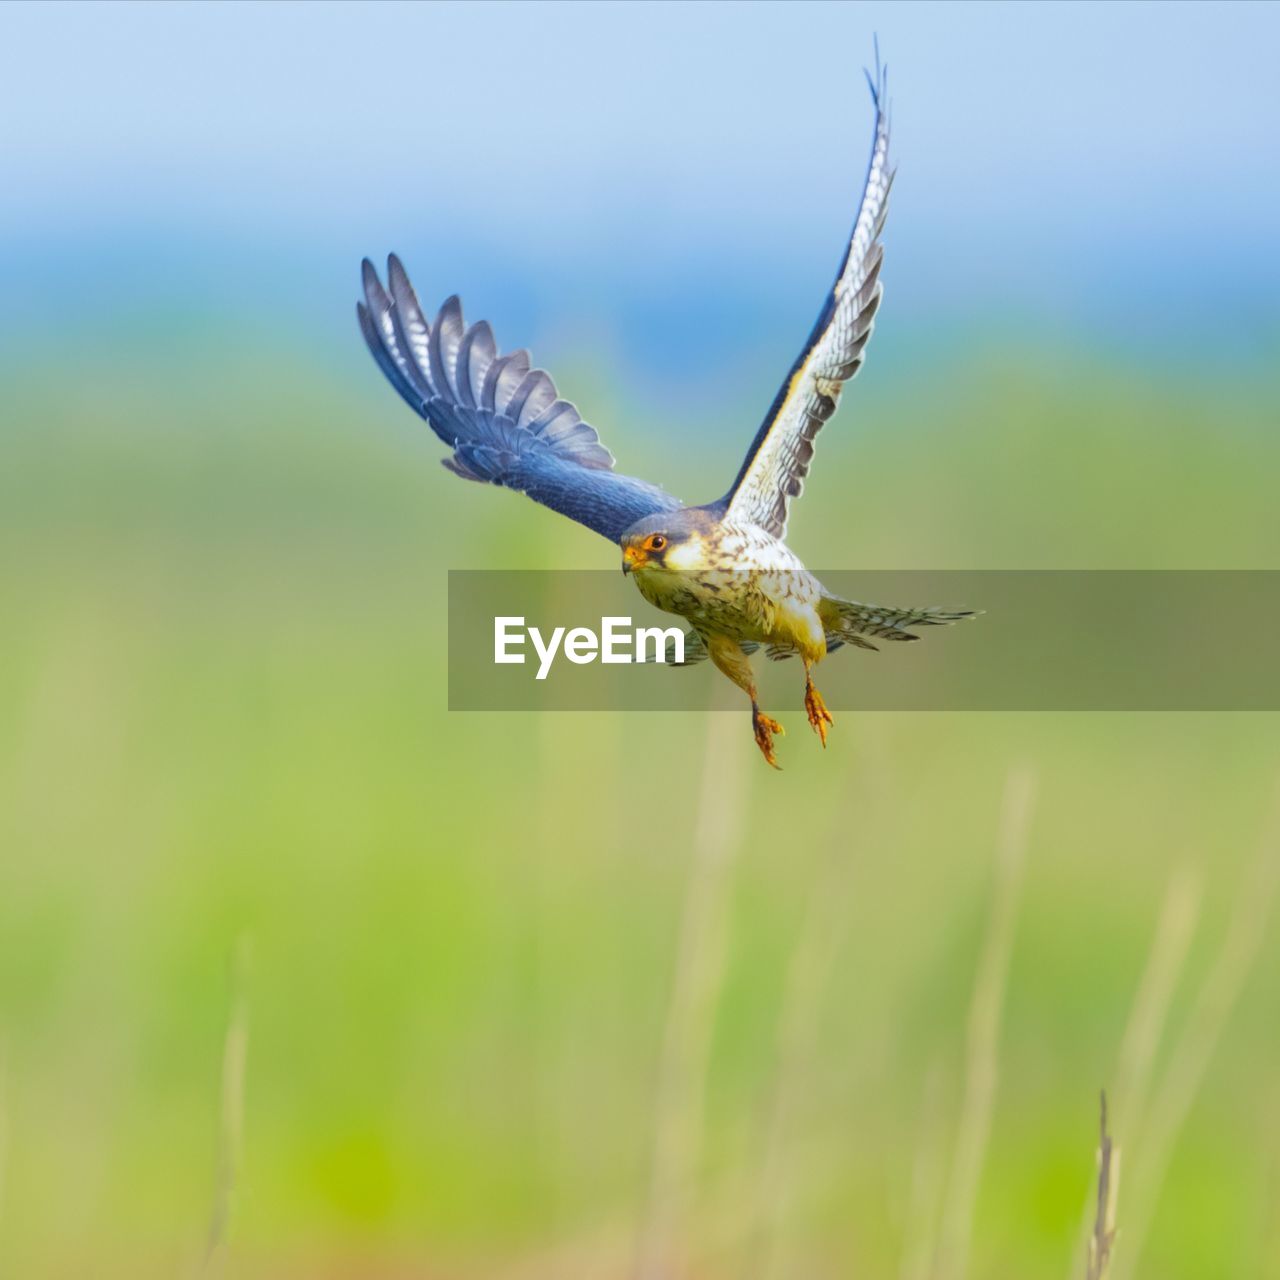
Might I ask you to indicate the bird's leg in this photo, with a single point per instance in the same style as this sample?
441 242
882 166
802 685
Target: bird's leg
819 716
727 654
764 728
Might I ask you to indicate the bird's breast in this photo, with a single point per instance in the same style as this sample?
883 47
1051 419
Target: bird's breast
765 605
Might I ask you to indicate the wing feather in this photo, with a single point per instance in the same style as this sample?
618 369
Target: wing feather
446 337
501 417
473 358
780 455
511 372
412 330
391 370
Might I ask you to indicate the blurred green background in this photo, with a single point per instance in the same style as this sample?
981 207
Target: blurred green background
543 995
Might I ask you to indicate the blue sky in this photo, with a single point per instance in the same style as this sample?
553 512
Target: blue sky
656 171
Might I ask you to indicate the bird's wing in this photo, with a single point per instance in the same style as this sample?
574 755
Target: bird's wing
778 460
502 418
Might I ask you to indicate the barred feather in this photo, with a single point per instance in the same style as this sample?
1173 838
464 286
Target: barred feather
852 621
778 461
502 418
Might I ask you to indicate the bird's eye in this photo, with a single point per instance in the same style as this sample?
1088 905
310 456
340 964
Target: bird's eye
656 542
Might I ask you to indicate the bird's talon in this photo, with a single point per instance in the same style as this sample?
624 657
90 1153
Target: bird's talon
819 716
765 727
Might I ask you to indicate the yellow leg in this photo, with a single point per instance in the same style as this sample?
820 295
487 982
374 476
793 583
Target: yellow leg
819 716
727 654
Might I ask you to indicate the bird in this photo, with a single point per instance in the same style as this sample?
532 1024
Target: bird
724 565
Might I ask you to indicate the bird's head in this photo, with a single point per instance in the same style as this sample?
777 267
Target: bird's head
670 540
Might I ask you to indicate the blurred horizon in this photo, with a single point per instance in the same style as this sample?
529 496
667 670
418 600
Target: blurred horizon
677 211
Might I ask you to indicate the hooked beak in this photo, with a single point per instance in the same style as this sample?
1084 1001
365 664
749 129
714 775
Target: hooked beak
632 558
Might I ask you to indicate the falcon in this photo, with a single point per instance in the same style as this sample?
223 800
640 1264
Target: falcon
723 565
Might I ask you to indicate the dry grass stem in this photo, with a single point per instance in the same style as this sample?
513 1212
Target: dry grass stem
1104 1220
1194 1049
811 962
4 1125
985 1013
231 1124
1174 931
699 972
1147 1017
927 1173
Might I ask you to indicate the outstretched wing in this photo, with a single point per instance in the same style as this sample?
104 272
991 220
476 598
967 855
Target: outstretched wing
778 460
503 419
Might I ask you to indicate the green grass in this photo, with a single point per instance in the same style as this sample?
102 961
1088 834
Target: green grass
222 715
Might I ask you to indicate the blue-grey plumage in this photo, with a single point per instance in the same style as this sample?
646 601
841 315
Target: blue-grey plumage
502 418
723 565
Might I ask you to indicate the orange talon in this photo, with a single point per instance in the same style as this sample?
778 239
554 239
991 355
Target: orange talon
765 727
819 716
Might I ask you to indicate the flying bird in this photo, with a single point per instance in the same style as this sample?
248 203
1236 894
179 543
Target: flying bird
723 565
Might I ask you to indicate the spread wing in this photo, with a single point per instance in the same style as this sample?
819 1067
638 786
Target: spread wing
778 460
502 418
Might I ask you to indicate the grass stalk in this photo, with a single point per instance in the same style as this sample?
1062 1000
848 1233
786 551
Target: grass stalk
1194 1049
4 1129
696 986
1175 928
927 1174
1103 1234
235 1055
985 1014
811 963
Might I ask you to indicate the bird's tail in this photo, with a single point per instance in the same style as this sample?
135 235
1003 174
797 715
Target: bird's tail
845 622
851 622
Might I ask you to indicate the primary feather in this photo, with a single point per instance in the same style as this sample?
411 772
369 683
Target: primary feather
779 457
502 418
